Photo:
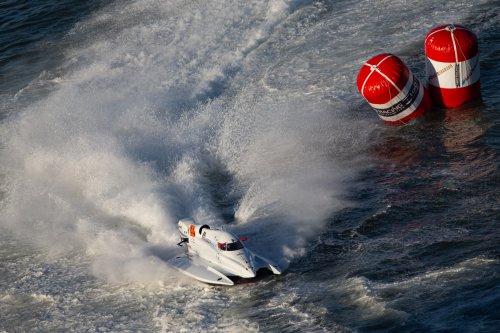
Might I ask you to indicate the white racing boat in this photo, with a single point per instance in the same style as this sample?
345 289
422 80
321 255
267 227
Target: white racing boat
213 255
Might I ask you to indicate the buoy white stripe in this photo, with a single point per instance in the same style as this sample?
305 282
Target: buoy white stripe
410 109
373 68
440 75
398 97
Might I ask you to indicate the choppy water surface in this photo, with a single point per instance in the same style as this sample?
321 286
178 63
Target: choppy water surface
118 119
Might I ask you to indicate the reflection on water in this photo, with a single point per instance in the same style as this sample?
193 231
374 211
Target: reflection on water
423 162
463 139
455 138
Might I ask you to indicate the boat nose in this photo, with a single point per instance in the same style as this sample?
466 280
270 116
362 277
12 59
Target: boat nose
247 272
247 268
242 265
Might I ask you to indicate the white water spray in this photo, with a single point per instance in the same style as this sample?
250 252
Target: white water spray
137 119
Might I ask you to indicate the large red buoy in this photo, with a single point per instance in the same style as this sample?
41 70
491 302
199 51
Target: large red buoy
452 65
391 89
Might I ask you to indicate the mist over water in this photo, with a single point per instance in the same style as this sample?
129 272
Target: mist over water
244 115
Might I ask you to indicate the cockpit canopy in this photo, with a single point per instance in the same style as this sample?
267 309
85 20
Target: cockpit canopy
230 246
224 240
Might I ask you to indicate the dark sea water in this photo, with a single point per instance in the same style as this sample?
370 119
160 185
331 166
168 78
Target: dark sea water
119 118
30 37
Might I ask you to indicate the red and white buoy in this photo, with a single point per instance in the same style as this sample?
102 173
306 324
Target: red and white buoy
390 87
452 65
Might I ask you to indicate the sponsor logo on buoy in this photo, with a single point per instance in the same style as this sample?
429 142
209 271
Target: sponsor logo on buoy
391 89
452 65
